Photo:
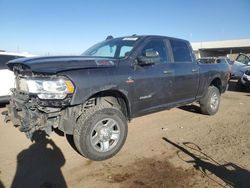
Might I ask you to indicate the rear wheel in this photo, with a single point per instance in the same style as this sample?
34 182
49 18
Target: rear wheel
211 101
100 131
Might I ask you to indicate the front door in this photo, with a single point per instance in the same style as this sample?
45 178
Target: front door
153 83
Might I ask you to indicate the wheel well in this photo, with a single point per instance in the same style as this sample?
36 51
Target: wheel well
217 83
121 99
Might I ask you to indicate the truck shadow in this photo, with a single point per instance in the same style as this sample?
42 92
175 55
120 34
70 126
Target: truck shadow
191 108
3 105
71 142
230 173
40 164
69 138
232 86
1 184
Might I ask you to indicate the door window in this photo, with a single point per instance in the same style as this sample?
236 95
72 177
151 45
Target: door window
159 46
181 51
243 59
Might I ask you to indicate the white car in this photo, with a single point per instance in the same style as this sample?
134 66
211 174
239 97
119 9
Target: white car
244 81
7 76
241 64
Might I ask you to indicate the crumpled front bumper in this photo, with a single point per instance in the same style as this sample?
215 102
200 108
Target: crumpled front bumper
26 114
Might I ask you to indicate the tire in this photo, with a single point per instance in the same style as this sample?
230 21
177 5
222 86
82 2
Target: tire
100 131
210 103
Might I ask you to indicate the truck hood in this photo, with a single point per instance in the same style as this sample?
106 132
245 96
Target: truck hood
55 64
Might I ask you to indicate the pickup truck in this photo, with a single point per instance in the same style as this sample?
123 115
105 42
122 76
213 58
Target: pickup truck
95 95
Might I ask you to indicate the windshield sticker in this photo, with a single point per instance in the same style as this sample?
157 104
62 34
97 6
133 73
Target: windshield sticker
130 38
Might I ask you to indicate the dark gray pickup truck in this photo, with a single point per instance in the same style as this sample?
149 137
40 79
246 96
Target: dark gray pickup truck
93 96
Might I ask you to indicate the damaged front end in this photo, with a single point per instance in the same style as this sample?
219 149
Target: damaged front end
29 116
41 102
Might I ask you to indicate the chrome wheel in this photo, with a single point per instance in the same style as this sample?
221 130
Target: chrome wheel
214 101
105 135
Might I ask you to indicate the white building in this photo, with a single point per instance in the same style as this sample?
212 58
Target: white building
221 48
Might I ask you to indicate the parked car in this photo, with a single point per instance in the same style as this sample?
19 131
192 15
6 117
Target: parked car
7 76
241 64
93 96
244 82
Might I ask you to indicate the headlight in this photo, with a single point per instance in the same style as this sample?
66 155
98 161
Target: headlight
47 89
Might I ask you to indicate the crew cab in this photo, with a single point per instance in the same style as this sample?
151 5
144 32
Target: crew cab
95 95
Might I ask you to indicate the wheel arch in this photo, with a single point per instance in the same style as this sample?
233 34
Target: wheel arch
121 98
217 83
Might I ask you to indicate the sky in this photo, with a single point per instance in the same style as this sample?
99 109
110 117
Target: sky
57 27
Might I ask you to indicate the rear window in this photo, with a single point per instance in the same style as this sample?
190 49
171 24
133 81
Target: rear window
221 61
206 60
5 58
181 51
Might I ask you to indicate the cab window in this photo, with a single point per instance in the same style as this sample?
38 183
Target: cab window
159 46
181 51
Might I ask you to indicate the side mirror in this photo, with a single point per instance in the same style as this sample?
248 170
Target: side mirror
149 57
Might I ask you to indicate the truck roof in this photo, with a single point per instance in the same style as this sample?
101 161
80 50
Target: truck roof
149 36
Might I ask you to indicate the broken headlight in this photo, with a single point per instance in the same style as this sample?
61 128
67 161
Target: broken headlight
46 88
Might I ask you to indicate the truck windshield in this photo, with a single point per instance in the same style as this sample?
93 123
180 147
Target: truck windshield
113 48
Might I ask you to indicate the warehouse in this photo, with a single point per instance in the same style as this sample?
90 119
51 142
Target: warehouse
230 48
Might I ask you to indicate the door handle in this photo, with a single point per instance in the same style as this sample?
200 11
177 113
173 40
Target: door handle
167 72
194 70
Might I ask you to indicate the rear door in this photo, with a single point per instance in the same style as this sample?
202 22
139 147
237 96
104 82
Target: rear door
186 80
153 83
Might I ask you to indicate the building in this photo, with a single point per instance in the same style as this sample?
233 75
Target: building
230 48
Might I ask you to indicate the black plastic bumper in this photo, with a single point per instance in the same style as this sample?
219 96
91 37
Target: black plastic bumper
26 115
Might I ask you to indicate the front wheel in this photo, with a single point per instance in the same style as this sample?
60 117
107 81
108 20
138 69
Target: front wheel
100 132
211 101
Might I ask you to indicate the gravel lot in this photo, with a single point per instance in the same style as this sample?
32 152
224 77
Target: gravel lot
175 148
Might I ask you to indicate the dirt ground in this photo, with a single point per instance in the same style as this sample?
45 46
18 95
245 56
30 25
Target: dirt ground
172 148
